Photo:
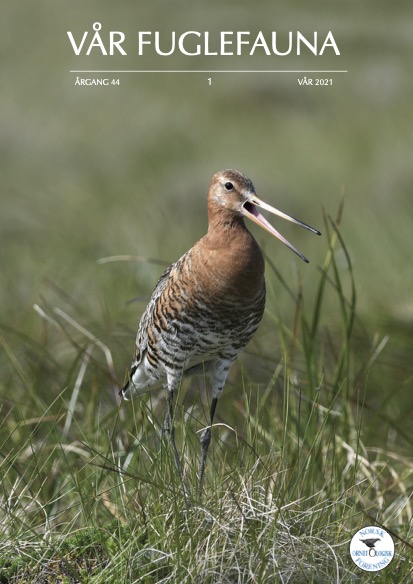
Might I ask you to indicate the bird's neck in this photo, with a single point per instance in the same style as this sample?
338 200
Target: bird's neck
232 255
221 220
227 232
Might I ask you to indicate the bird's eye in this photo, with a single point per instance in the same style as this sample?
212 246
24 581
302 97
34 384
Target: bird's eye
229 186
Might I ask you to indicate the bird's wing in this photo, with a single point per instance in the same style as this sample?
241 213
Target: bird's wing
147 316
144 325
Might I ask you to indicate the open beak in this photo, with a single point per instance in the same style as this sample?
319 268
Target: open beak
249 210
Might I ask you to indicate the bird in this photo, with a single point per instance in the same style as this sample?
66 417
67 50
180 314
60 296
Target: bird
371 541
207 305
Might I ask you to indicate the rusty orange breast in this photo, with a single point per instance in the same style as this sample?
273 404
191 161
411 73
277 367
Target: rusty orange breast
229 262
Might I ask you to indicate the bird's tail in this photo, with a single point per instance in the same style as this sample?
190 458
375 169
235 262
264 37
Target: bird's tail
129 387
136 384
125 391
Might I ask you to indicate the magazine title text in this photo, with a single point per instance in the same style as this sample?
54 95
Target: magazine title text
193 43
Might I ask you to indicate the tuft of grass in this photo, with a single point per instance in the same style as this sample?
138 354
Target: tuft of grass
88 486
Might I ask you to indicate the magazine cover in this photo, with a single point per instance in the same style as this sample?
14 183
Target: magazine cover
206 310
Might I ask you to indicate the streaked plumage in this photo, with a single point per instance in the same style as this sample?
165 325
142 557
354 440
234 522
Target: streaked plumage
206 306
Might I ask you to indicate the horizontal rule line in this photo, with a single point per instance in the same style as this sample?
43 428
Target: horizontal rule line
207 71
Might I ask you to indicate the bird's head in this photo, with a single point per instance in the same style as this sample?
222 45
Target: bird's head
234 192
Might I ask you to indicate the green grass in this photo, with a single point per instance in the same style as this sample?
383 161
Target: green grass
299 461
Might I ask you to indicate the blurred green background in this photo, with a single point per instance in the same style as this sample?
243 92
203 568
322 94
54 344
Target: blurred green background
92 172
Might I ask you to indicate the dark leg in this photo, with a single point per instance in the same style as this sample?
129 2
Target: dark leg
205 440
169 428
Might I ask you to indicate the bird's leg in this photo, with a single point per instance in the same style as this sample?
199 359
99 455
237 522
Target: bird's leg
166 422
205 440
168 425
218 373
169 429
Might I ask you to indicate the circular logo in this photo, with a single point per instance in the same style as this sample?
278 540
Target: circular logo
372 548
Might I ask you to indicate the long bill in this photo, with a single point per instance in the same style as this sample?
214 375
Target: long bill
249 210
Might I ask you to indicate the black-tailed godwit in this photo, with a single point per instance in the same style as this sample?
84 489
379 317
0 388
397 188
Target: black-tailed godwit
207 305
